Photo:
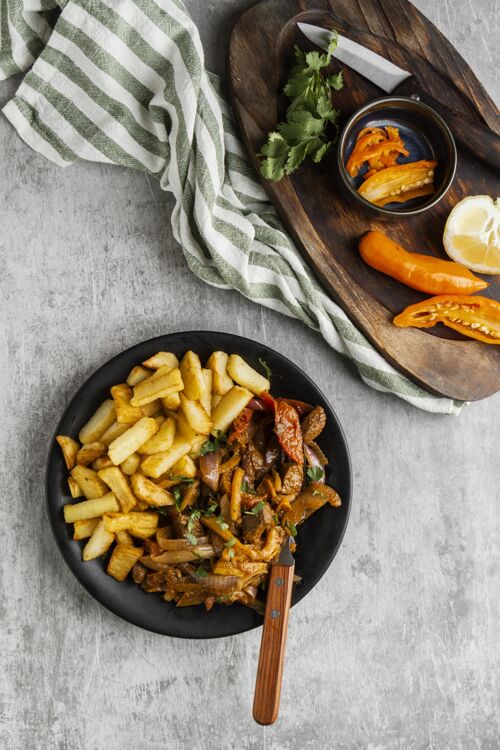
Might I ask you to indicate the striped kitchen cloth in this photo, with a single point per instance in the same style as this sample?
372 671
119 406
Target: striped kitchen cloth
124 82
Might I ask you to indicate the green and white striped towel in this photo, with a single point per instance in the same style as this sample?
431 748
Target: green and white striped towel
124 82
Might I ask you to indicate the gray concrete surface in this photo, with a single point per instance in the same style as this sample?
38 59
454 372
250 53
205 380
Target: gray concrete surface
398 647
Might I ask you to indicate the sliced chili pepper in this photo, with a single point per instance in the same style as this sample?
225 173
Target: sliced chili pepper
301 406
378 146
422 272
240 424
477 317
287 428
268 400
395 183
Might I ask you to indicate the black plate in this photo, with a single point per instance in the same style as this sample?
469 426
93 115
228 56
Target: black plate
318 540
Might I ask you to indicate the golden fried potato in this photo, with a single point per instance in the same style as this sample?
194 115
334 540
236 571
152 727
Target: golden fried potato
149 492
196 416
184 467
123 537
157 386
102 463
88 481
89 453
206 396
74 488
118 484
99 543
156 465
91 508
69 449
221 382
131 464
132 440
162 441
139 524
162 359
171 402
116 429
192 377
229 407
244 375
84 529
122 560
137 374
98 423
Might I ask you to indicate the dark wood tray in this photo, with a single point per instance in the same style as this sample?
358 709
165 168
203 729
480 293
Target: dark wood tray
323 225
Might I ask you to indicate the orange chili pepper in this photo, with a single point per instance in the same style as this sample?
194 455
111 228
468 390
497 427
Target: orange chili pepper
422 272
476 317
378 147
399 182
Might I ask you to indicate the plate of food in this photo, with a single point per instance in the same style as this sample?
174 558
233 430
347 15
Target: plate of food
177 473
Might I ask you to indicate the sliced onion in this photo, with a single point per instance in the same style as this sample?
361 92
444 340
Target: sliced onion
177 544
210 469
256 404
313 460
171 557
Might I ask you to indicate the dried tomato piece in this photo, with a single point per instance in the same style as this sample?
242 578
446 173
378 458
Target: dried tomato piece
240 425
301 406
287 428
268 400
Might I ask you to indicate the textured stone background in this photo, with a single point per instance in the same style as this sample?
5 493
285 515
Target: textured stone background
396 648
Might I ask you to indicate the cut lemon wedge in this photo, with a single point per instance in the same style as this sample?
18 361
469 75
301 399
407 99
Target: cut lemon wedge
472 234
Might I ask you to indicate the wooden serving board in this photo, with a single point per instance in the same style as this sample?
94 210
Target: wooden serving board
324 226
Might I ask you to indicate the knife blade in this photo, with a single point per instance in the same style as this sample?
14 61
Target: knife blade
383 73
478 139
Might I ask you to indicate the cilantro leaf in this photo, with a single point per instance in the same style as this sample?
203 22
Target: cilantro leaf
304 131
230 543
177 495
211 510
266 368
213 445
291 526
201 573
221 523
315 473
256 509
191 538
245 487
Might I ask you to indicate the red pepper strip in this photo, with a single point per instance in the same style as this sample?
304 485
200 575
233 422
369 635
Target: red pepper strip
287 428
240 424
268 400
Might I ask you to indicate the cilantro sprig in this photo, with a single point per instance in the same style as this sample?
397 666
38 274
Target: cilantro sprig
266 368
304 132
256 509
315 473
214 444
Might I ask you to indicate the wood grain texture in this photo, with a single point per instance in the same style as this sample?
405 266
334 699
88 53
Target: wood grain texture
324 226
272 648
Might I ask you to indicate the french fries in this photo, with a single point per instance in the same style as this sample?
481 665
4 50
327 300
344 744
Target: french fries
206 396
89 453
116 429
162 441
74 488
137 374
88 481
221 383
246 376
162 359
132 440
158 464
131 464
99 543
229 407
196 416
184 467
192 377
157 386
185 429
148 491
102 463
122 560
125 413
98 423
139 524
171 402
85 528
118 484
91 508
123 537
69 449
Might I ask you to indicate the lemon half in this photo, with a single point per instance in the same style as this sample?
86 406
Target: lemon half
472 233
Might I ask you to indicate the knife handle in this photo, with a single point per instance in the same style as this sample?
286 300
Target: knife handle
478 139
272 647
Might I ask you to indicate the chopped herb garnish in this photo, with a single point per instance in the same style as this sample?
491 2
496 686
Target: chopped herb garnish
245 487
291 526
191 538
210 511
318 492
275 518
177 494
161 511
222 599
183 479
266 368
213 445
256 509
230 543
315 473
222 524
201 573
195 516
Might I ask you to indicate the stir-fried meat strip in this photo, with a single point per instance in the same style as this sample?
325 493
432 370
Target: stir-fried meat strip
313 424
292 479
252 462
254 524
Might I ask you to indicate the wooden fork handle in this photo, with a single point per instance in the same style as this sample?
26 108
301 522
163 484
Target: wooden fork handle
272 648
